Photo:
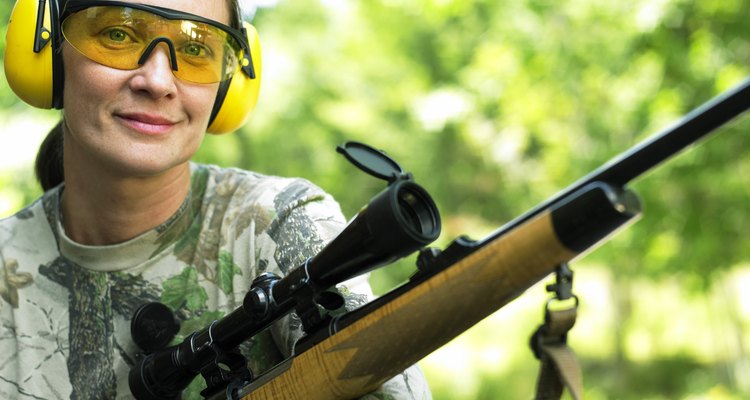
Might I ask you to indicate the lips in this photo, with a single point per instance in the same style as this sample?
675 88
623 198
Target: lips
148 124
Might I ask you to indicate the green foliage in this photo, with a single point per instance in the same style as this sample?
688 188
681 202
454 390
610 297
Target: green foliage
660 378
226 270
184 290
495 107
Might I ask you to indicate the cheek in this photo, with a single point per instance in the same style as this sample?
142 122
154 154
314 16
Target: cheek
86 84
199 100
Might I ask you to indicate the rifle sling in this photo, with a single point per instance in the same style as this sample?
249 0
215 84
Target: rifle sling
559 367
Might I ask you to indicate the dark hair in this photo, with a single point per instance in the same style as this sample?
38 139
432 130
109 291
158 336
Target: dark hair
48 165
49 160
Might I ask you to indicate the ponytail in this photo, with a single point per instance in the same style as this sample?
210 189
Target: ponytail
49 160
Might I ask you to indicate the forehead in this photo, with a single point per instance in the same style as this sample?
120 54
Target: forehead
216 10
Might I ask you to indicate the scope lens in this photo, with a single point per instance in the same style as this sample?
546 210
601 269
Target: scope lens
418 211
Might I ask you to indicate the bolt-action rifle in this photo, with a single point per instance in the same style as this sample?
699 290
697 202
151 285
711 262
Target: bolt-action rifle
351 354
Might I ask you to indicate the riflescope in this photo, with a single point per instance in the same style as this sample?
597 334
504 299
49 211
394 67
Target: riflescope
395 223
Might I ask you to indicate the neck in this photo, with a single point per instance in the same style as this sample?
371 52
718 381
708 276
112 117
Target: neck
101 209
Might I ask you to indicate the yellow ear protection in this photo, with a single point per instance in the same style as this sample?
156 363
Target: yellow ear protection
238 96
34 69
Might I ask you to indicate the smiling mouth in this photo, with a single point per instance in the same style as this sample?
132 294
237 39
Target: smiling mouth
145 124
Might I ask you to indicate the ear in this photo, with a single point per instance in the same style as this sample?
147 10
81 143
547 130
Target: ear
242 92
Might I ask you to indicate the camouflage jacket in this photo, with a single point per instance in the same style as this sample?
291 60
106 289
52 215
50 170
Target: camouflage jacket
66 308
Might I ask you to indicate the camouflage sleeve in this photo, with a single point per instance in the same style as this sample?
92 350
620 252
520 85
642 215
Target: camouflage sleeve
410 384
306 220
302 229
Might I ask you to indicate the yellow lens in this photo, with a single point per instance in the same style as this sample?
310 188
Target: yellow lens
204 53
118 37
104 36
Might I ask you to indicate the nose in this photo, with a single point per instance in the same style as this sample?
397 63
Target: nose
155 75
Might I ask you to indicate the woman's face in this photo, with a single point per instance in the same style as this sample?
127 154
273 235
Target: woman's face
136 123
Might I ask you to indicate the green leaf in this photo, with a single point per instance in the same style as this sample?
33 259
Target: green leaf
226 270
183 289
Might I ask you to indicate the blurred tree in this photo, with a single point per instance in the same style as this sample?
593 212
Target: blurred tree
496 106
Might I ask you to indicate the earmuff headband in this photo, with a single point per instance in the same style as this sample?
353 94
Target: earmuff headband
42 35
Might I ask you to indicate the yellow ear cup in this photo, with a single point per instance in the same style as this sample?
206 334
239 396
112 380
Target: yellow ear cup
242 94
29 74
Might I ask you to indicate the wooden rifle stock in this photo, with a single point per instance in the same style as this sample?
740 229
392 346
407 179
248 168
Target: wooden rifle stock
470 280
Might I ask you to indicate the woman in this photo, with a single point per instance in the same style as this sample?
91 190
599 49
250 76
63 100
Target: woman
134 220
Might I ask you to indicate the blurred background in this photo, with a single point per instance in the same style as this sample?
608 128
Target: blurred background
495 106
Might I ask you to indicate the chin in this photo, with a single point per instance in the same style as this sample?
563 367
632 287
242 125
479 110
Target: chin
140 168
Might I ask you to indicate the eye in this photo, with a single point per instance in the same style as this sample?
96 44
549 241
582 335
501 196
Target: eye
116 35
196 50
117 38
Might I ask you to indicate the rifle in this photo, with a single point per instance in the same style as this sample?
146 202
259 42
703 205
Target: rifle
352 354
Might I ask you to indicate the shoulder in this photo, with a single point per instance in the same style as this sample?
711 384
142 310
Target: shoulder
33 214
242 187
26 242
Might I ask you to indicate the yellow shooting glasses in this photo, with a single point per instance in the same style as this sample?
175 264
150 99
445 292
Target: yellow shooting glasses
123 36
